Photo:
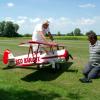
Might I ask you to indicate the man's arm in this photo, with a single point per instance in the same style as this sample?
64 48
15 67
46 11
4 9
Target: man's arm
42 35
50 36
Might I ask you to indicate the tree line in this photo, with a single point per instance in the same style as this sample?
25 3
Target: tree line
76 32
10 29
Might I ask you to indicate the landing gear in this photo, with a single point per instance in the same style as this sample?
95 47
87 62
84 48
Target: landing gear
39 66
56 66
11 63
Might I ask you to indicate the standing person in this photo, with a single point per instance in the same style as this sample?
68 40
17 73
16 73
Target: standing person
39 34
92 69
40 31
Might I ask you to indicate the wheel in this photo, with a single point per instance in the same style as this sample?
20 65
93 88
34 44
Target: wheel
39 66
57 66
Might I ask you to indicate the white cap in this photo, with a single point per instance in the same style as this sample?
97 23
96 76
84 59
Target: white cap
46 22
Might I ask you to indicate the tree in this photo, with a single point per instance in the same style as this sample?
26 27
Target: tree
58 34
9 29
16 26
27 35
77 32
2 25
70 34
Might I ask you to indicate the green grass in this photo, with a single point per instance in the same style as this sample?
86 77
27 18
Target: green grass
32 84
72 37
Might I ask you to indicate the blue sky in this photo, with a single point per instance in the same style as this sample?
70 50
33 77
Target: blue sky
64 15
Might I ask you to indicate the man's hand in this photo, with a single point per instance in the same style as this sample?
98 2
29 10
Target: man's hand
51 37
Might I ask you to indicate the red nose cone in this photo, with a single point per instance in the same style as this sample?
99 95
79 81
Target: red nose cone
66 54
5 56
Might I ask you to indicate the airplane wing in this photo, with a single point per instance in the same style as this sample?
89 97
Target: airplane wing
27 44
51 44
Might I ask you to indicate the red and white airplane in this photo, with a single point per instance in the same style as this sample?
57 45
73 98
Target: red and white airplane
39 58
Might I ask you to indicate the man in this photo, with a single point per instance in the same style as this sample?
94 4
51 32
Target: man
39 33
92 69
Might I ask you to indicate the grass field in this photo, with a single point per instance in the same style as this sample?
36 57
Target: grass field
32 84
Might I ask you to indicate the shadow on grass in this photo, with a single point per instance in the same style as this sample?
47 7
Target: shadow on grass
9 67
46 74
12 94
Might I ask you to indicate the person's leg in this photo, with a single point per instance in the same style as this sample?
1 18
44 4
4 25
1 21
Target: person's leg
87 69
94 73
99 74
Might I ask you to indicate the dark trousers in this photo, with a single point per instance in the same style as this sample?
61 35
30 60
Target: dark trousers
91 71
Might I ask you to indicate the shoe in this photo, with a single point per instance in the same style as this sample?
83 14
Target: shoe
85 80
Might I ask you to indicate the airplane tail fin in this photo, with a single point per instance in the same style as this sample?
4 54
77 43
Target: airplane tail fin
7 55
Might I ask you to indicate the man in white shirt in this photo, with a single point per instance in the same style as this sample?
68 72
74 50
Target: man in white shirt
39 33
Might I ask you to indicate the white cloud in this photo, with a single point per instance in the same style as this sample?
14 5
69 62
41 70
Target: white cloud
20 22
87 5
97 18
34 20
86 21
22 17
61 22
10 4
9 19
63 18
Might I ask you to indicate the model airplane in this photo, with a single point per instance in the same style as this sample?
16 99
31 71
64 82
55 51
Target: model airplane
38 57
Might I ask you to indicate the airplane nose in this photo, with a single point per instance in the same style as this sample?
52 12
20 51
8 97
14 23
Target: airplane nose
5 56
66 54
